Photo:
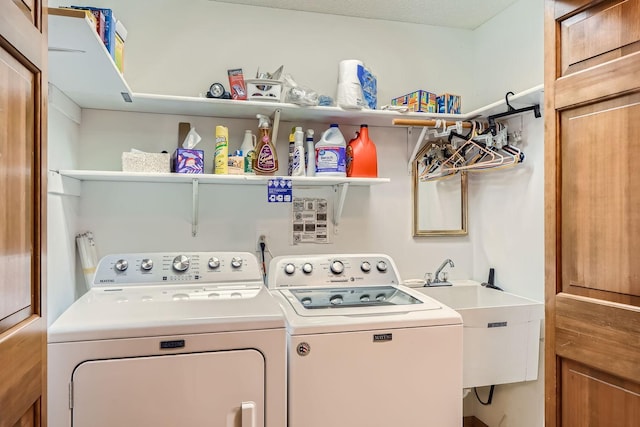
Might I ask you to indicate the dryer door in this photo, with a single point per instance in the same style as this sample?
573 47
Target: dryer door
216 389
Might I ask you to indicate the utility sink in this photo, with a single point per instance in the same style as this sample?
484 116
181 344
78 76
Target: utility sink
501 332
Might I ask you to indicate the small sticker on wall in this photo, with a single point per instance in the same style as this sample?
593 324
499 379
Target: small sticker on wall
309 221
279 190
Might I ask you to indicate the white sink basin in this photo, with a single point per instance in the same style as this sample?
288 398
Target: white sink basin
501 332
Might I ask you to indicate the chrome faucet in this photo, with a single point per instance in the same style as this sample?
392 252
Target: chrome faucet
436 279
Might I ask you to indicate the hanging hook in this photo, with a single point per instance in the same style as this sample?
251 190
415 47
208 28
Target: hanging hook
506 99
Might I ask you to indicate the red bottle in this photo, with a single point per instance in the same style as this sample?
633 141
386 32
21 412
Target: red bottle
362 157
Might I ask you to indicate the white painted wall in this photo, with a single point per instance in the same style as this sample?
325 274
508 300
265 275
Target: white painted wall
506 208
508 53
62 211
506 228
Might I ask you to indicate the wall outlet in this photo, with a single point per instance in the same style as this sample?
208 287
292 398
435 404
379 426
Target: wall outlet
261 237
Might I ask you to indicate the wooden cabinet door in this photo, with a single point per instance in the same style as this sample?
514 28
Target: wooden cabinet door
592 143
23 52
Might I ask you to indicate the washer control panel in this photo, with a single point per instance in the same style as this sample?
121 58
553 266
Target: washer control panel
172 268
332 270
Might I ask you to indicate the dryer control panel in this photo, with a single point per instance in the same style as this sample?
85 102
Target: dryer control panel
332 270
174 268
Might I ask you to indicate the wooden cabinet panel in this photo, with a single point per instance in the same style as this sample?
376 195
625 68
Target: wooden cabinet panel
23 86
596 399
17 113
598 33
21 376
592 213
29 9
31 417
604 336
600 198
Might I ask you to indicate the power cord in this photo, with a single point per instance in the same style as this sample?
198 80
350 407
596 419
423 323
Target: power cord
489 399
263 246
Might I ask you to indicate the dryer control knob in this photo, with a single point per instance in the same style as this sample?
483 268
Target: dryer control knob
307 268
181 263
337 267
381 266
236 262
146 264
365 266
289 269
121 265
214 263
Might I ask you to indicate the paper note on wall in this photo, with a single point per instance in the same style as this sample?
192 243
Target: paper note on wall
309 221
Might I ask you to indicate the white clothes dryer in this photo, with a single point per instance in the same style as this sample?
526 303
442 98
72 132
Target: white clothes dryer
364 350
162 339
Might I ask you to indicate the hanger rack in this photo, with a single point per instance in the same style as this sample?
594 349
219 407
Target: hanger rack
492 127
512 111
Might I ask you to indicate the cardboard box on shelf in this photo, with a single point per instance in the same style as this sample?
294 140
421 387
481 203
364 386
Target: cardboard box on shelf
449 104
236 165
121 37
419 101
109 34
236 84
146 162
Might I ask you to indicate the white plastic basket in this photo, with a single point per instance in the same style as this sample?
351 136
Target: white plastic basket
264 90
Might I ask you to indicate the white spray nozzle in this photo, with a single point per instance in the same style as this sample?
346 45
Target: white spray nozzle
263 121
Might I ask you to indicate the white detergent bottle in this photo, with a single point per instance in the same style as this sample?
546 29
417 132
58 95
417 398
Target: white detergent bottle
331 158
310 154
297 164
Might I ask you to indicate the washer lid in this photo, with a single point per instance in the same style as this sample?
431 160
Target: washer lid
314 299
355 301
407 309
144 311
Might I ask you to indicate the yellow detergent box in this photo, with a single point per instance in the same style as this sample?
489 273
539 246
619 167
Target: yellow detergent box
418 101
449 104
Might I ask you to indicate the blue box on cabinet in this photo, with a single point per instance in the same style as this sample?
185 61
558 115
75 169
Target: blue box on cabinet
449 104
185 160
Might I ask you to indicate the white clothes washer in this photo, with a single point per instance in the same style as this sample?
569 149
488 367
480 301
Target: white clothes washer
162 339
364 350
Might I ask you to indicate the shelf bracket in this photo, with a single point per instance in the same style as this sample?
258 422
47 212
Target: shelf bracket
195 204
340 194
276 125
412 157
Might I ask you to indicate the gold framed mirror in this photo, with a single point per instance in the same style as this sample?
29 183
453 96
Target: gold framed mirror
439 205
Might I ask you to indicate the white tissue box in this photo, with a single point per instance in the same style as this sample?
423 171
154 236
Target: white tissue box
146 162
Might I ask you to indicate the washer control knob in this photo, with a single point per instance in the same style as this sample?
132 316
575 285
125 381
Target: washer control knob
214 263
236 262
307 268
337 267
146 264
336 300
121 265
381 266
181 263
289 269
365 266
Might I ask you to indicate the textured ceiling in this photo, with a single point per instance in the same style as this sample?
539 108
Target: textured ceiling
467 14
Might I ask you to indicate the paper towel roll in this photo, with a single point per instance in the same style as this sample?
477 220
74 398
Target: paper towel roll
348 71
349 93
350 96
